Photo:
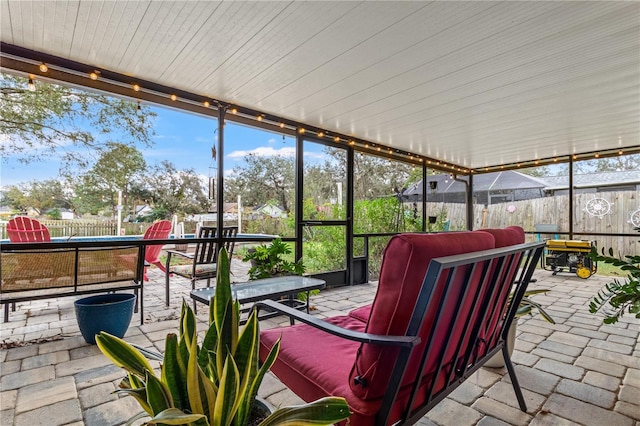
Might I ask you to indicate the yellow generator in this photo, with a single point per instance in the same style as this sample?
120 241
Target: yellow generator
572 255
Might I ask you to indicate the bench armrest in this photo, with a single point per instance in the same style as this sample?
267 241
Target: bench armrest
402 341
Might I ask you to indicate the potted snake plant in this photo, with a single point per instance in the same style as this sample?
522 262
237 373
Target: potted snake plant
214 382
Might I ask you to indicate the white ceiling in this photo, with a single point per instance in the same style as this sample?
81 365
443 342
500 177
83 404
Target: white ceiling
473 83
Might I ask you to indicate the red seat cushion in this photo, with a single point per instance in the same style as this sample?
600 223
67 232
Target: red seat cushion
362 313
314 364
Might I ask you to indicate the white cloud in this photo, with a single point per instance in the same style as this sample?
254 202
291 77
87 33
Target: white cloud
264 151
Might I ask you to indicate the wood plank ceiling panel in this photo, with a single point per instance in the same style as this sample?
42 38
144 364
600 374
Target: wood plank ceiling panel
347 72
6 28
476 83
158 40
337 37
268 62
225 32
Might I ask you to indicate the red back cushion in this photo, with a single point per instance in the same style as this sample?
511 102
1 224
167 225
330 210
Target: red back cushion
403 270
509 236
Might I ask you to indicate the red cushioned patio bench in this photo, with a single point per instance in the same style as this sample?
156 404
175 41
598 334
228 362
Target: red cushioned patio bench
440 312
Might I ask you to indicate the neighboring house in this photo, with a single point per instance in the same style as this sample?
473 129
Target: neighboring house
488 188
7 212
229 213
139 211
271 210
594 182
509 186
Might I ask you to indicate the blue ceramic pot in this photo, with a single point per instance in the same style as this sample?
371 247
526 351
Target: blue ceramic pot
105 312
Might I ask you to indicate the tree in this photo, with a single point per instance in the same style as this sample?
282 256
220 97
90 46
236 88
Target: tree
118 166
64 122
39 195
380 177
611 164
176 191
262 179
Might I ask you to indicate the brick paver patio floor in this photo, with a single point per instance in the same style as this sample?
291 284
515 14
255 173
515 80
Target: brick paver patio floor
577 371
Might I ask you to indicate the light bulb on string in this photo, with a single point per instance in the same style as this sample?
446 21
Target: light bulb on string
43 67
31 84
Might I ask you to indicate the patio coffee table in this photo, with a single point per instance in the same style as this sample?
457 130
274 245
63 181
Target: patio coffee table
267 288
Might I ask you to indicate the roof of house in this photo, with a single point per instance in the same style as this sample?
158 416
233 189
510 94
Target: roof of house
594 180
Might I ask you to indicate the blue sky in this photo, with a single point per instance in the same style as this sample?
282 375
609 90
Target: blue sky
183 139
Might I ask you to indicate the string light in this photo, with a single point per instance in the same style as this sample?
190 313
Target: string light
173 97
301 130
259 118
206 104
336 139
620 152
93 75
31 85
136 88
282 126
43 67
320 134
234 110
597 155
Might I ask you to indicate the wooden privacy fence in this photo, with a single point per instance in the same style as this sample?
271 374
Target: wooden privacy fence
84 228
555 210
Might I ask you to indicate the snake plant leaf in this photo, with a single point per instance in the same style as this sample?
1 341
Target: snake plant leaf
174 416
133 382
224 317
246 358
246 355
174 373
227 399
158 395
324 411
225 336
212 371
189 327
245 408
208 345
137 417
122 354
201 391
140 395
